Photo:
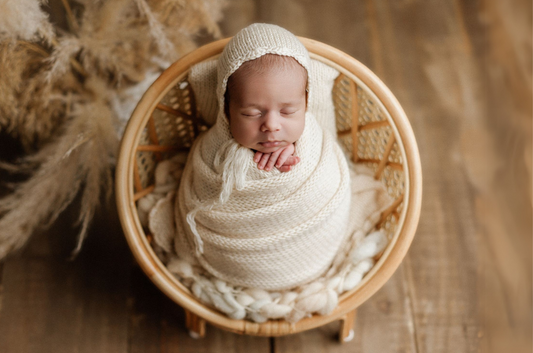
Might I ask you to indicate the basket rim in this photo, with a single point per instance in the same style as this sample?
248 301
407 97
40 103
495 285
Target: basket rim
167 283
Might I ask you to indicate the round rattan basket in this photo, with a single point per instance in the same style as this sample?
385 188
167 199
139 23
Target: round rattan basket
372 128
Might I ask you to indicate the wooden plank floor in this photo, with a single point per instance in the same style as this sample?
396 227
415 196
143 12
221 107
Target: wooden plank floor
462 71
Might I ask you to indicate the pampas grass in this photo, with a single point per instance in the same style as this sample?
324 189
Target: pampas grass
28 111
81 155
24 19
64 95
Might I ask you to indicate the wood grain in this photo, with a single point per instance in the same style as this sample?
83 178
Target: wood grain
462 72
383 324
502 49
50 304
157 324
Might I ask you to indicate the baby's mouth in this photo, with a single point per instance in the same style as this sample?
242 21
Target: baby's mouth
268 144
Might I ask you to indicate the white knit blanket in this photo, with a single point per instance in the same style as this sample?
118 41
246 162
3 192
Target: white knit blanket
274 230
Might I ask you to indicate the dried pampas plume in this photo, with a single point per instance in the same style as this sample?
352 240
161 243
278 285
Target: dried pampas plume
66 93
24 19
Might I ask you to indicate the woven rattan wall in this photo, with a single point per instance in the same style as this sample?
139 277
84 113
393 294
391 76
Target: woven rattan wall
372 128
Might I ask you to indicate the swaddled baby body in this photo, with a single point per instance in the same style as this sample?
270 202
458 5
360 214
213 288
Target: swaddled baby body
241 212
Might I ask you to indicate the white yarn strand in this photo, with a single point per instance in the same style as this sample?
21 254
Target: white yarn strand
233 169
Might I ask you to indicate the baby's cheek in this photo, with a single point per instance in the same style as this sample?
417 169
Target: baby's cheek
242 133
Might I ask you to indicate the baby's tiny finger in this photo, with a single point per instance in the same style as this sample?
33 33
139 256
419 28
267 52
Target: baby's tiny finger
291 160
263 161
281 160
285 168
283 157
257 156
270 163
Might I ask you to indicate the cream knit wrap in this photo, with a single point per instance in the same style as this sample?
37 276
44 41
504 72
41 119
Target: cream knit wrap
259 229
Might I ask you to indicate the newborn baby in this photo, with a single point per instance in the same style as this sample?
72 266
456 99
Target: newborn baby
264 199
266 102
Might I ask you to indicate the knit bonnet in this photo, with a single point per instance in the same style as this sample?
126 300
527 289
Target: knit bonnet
252 42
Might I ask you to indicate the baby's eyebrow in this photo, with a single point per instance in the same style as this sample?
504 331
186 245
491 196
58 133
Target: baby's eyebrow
283 105
252 105
288 104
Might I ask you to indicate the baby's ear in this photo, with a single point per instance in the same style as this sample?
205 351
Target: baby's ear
226 110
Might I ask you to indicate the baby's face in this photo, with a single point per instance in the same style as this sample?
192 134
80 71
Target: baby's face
267 110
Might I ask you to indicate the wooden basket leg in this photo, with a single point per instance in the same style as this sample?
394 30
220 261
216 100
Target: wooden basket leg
195 325
346 333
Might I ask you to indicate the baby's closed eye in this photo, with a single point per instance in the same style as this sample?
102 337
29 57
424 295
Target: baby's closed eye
288 111
252 113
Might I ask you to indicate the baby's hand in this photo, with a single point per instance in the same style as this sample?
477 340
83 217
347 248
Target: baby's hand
281 159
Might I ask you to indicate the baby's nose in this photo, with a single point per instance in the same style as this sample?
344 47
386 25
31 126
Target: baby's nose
271 123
